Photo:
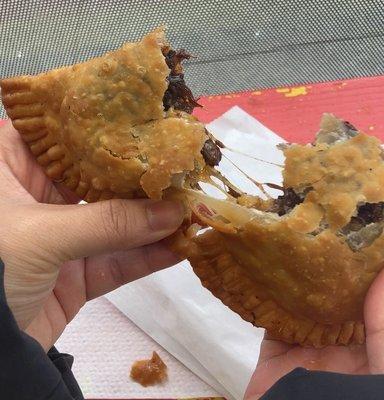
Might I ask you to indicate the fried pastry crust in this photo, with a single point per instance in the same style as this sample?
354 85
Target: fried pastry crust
259 294
100 126
340 175
302 276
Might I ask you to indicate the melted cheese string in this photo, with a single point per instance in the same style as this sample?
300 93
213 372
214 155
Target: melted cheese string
217 174
259 185
226 182
253 157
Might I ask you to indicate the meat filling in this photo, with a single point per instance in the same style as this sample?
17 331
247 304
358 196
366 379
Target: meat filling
178 95
367 213
211 153
360 232
286 202
351 128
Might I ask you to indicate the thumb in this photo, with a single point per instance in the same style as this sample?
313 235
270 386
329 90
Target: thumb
374 325
75 231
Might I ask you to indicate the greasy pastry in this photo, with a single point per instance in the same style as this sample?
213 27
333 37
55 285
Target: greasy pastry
299 265
114 126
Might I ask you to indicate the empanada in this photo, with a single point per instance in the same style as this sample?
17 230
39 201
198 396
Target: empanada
300 265
115 126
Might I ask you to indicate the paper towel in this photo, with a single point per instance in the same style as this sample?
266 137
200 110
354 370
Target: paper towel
105 343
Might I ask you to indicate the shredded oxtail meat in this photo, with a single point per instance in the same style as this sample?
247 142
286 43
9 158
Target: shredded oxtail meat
367 213
178 95
371 212
286 202
211 153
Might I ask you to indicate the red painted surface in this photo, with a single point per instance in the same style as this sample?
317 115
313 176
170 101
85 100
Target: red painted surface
295 115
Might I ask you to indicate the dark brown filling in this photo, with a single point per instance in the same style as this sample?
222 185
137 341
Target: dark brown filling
367 213
286 202
211 153
349 126
232 192
178 95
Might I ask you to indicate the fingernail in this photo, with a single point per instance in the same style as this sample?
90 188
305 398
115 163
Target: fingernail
165 215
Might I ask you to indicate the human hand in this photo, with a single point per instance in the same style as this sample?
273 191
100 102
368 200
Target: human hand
59 254
278 359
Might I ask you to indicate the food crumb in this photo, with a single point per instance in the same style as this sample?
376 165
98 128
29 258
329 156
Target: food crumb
149 372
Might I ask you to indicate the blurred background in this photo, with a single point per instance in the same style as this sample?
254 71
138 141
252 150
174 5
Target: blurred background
238 44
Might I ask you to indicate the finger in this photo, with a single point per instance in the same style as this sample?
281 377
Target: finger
67 195
80 281
272 364
70 288
22 178
374 325
28 179
11 190
49 324
271 347
278 359
108 272
76 231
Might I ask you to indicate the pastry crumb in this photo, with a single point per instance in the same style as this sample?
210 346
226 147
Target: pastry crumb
149 372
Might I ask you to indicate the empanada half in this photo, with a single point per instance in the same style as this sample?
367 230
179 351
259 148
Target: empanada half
114 126
300 265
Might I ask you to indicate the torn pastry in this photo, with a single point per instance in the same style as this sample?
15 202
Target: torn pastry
149 372
299 265
119 125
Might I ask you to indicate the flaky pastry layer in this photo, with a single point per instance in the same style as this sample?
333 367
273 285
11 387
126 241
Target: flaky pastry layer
100 126
296 275
234 283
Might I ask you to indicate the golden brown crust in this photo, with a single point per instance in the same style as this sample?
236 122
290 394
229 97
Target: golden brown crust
94 126
341 175
257 202
224 276
296 275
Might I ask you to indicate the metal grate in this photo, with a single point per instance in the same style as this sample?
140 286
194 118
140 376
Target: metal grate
240 44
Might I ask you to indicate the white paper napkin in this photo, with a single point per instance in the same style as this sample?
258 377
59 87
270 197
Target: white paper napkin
174 309
105 343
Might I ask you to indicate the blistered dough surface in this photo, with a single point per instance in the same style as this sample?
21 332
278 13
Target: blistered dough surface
341 175
296 275
95 125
